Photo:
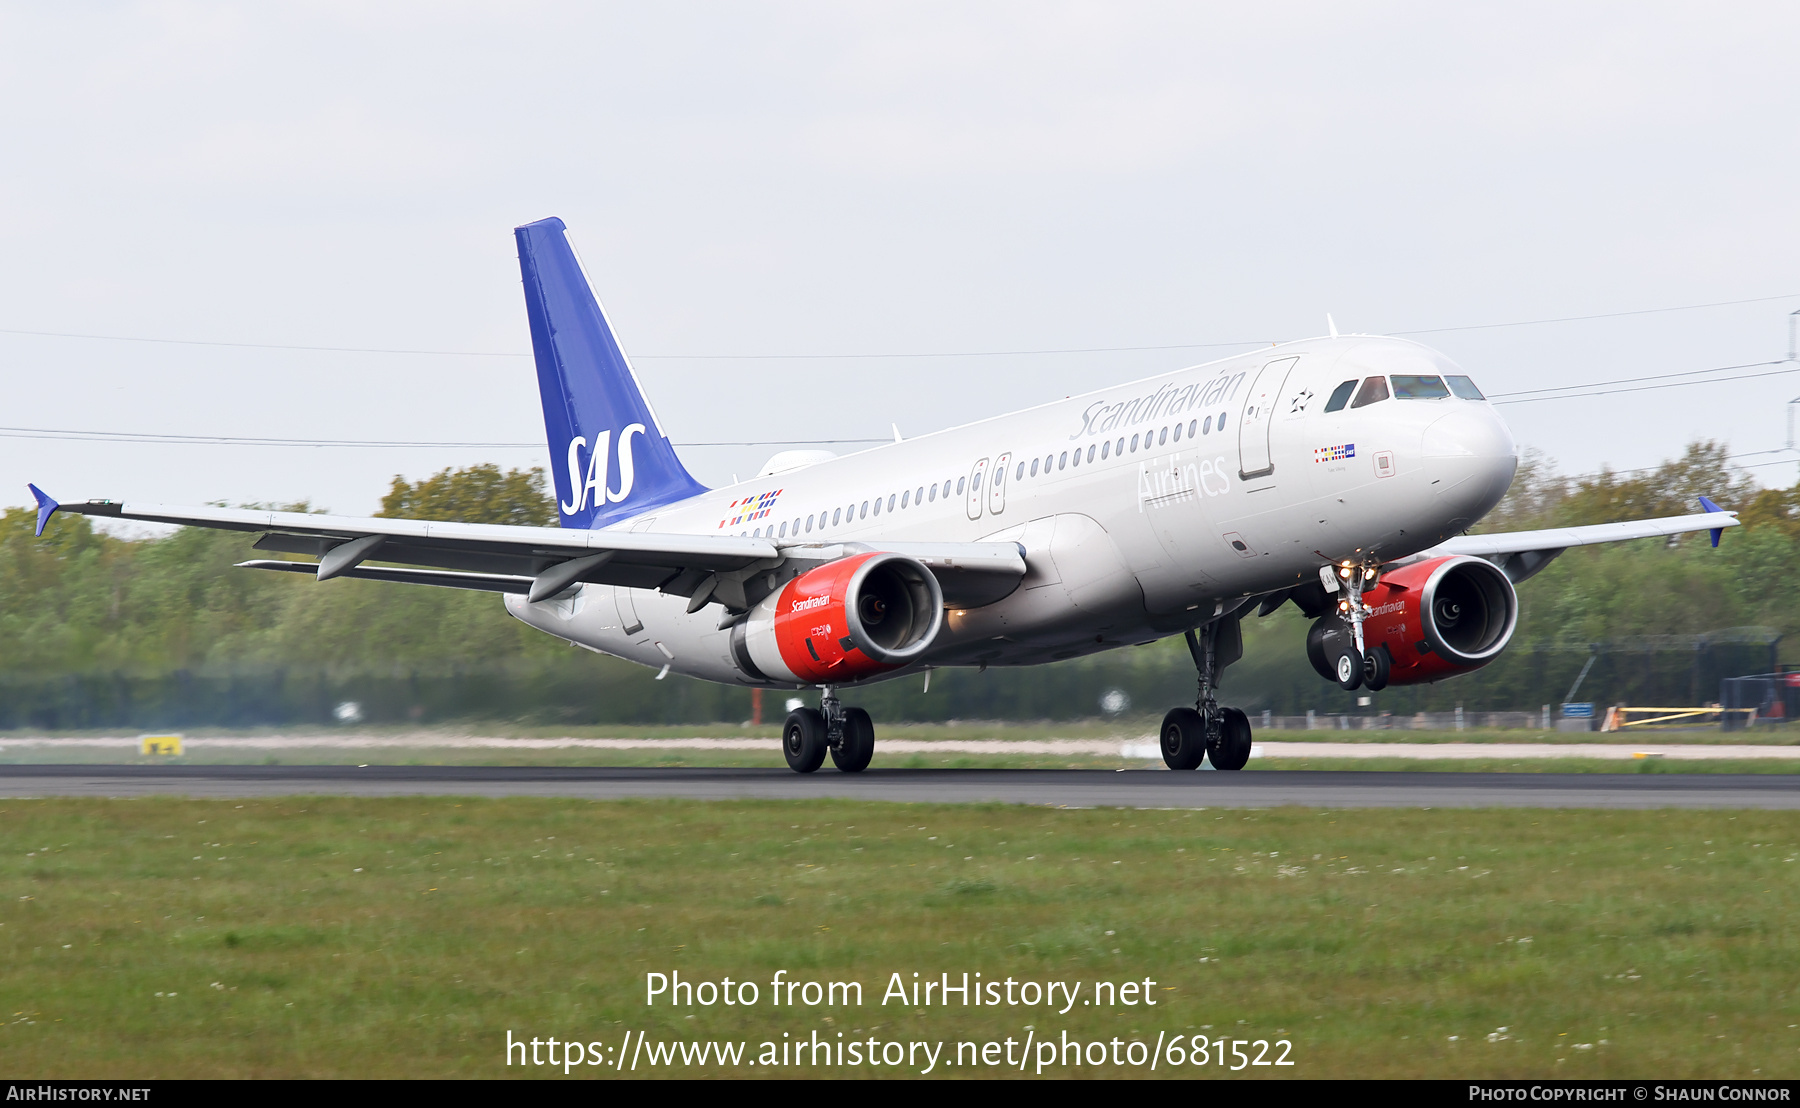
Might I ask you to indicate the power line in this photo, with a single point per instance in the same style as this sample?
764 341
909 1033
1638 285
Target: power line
262 345
153 438
1526 396
1634 380
1791 368
869 356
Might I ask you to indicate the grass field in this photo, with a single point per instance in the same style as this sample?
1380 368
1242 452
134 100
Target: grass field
406 937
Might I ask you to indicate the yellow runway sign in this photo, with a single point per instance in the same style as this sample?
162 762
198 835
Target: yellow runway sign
169 745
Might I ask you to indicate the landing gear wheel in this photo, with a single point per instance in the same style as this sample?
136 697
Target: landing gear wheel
853 753
1233 748
1377 665
803 740
1183 739
1347 668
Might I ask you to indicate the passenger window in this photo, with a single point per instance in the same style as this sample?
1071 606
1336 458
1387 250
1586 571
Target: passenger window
784 529
977 484
1020 476
959 486
1206 428
1119 448
809 521
1464 388
1178 432
1105 449
1063 460
1163 437
864 512
1076 460
934 494
890 501
878 505
1192 423
946 488
1373 390
1034 467
1221 421
1134 439
837 517
1340 396
1419 388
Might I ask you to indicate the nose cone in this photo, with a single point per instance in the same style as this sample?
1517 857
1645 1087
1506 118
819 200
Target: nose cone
1470 456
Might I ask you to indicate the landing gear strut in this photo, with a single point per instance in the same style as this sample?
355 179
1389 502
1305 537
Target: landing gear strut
1336 644
1190 735
846 733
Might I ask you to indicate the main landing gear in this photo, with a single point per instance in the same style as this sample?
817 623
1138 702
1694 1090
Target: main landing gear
1191 735
847 734
1335 643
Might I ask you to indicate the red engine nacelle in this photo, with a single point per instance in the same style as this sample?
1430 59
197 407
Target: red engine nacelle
1441 617
845 620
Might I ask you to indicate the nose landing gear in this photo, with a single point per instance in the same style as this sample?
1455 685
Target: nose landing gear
1207 730
1335 643
847 734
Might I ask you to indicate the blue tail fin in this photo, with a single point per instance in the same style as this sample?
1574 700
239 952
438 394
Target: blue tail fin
610 456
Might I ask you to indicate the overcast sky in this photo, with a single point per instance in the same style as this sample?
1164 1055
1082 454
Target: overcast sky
793 179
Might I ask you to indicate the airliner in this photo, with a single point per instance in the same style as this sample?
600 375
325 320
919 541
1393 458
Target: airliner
1339 474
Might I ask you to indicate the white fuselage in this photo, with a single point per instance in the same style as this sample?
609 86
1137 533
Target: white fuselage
1144 509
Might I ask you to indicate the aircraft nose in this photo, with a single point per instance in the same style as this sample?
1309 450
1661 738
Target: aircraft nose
1470 456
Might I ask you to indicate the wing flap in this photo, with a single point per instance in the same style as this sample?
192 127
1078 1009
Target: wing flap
480 582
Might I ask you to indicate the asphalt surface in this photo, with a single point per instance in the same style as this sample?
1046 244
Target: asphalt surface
1061 788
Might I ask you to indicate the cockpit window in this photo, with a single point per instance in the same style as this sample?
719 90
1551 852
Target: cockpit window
1374 389
1464 388
1340 396
1419 388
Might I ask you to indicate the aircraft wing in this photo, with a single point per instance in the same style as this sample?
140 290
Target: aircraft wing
540 562
1521 554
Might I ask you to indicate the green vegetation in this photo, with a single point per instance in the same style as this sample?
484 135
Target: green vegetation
96 631
339 937
479 494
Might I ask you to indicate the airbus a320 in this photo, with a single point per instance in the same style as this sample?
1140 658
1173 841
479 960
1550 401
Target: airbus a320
1337 474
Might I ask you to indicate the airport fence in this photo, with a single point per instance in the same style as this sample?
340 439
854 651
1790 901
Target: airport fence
577 688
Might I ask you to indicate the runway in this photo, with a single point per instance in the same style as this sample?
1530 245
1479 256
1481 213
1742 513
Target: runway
1056 788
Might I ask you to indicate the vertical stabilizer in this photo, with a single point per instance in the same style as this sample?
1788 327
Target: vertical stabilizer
609 454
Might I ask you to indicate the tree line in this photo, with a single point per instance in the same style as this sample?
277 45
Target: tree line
100 631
